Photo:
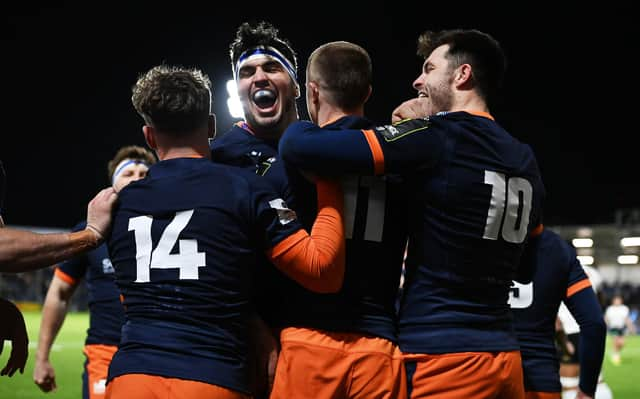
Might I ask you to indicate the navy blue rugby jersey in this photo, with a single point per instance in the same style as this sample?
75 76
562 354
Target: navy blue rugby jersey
239 147
375 217
106 314
476 194
558 277
184 243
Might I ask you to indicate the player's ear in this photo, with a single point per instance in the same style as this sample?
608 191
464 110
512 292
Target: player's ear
211 131
313 92
368 94
150 136
463 74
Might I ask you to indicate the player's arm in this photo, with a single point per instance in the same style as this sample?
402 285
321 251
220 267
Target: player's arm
54 311
22 251
316 260
407 146
26 250
583 304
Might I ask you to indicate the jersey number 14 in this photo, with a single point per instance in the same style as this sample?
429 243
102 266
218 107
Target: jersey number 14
187 260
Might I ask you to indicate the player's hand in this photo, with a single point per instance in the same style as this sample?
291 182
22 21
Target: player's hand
15 330
418 107
99 212
44 376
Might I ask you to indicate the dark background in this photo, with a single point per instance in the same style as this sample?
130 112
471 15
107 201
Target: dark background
67 70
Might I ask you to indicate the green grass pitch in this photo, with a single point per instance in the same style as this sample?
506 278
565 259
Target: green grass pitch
68 360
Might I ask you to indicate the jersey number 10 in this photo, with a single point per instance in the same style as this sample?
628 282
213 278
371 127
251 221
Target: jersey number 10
512 195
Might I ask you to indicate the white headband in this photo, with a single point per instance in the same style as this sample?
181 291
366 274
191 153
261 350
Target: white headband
269 52
123 165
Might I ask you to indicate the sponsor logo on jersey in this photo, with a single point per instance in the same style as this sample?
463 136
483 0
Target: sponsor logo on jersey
403 128
107 267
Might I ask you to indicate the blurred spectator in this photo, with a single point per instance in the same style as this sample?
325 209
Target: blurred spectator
618 322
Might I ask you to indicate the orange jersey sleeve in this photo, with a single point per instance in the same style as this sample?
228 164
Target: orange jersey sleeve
317 260
376 151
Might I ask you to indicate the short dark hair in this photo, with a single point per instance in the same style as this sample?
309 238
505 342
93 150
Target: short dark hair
173 99
473 47
344 70
262 34
130 152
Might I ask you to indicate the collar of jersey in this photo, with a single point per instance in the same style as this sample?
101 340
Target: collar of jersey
481 113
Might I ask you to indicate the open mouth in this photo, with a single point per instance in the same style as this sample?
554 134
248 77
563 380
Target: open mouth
264 98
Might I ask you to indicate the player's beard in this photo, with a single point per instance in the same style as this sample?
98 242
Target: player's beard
441 96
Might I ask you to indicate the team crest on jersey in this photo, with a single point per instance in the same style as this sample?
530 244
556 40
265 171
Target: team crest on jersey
403 128
285 215
262 162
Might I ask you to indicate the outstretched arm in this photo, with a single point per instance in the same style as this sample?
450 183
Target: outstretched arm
404 147
22 251
322 151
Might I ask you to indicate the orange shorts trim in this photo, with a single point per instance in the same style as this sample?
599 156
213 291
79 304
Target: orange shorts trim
322 365
496 375
144 386
542 395
97 367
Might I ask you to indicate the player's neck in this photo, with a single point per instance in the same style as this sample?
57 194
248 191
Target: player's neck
273 132
184 152
470 103
330 114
